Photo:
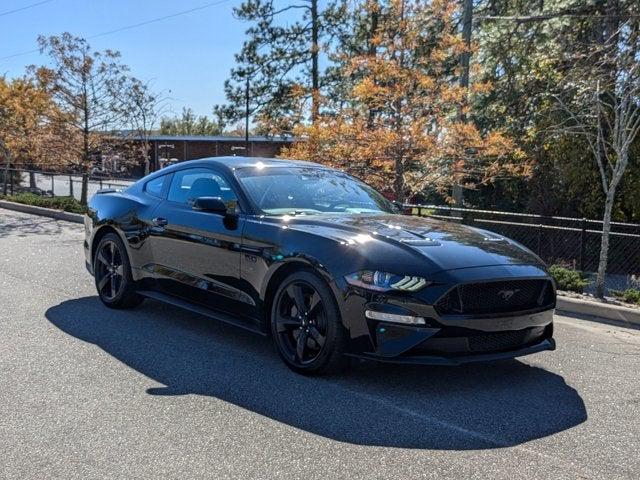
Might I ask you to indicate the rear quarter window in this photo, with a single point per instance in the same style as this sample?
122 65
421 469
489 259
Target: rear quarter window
155 187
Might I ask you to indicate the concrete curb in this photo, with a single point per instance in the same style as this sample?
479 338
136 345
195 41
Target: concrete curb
615 313
44 212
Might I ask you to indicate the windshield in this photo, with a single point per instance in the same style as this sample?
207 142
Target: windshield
304 190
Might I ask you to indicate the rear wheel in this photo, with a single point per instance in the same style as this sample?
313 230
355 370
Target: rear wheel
306 325
112 273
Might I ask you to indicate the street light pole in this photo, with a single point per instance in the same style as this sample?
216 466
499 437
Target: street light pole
246 117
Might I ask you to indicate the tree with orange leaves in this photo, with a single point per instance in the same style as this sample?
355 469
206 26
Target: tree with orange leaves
28 136
401 126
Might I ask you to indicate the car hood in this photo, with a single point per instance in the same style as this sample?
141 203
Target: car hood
440 245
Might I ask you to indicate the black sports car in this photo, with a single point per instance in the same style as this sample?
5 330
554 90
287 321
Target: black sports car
319 260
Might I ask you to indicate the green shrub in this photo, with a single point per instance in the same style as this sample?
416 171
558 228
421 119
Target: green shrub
68 204
568 279
422 212
630 295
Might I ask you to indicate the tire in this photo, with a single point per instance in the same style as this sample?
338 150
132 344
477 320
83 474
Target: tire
112 273
311 339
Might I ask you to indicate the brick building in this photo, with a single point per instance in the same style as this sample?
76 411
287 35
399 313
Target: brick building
185 147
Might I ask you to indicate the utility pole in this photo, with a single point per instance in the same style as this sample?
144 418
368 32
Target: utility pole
315 83
465 60
399 182
372 50
246 118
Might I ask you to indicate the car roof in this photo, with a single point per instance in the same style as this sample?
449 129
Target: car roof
233 163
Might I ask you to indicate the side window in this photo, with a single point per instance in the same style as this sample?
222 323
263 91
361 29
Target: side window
155 187
187 185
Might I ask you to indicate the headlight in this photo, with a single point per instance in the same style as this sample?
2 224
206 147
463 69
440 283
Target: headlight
384 281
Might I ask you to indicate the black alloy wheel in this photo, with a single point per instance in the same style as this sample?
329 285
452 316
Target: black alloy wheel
306 326
110 273
113 274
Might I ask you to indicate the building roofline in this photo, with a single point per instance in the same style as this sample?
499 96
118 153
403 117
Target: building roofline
219 138
232 163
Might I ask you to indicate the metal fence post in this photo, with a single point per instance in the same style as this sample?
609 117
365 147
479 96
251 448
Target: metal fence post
583 241
539 240
53 191
11 177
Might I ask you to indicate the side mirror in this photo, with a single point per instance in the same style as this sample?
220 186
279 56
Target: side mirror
210 204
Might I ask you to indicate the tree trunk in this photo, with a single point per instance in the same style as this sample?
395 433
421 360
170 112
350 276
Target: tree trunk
84 189
85 163
623 160
398 181
604 243
32 180
315 84
146 147
7 165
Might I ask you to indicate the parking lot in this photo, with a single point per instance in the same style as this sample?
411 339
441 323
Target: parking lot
60 185
157 392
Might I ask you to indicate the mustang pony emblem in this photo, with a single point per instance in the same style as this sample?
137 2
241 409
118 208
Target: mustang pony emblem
507 294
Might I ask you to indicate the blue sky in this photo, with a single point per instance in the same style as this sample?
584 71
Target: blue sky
187 57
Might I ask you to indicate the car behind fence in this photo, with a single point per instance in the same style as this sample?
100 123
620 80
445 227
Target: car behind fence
572 242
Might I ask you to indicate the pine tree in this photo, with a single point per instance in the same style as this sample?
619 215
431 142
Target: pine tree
189 124
279 62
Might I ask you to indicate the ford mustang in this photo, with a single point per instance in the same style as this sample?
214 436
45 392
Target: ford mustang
319 261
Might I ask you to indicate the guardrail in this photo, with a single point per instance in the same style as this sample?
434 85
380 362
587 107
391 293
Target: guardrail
56 184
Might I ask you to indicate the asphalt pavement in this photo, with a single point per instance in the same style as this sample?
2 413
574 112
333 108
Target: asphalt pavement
87 392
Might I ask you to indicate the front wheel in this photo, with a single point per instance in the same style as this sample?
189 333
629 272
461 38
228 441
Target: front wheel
306 325
112 273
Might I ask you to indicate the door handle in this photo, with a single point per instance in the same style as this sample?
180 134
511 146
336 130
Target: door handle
159 222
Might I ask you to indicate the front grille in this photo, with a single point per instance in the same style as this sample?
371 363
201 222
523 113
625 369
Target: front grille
496 297
492 342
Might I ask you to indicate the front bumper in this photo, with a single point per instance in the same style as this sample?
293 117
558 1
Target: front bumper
88 237
445 339
546 344
511 337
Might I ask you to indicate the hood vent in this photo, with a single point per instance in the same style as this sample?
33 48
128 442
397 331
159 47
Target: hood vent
420 242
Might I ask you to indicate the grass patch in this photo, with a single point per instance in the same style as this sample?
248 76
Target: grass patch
568 279
67 204
630 295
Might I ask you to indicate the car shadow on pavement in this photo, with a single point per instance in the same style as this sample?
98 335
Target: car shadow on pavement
470 407
16 224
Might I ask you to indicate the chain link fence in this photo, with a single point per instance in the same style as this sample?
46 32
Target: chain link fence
571 242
